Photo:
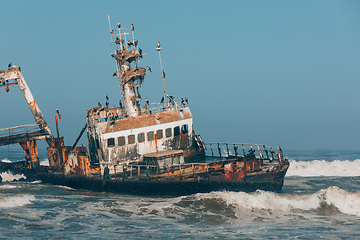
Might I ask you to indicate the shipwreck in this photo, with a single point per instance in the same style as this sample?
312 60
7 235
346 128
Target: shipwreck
132 149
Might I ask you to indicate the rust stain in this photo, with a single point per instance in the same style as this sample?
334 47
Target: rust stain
144 121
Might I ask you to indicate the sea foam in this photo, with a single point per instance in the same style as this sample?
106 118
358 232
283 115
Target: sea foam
16 201
324 168
9 176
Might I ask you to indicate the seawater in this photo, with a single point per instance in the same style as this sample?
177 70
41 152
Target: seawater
320 200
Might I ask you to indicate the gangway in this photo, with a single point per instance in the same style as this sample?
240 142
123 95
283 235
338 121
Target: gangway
20 134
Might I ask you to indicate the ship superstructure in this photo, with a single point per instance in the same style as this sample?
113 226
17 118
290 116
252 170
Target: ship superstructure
125 134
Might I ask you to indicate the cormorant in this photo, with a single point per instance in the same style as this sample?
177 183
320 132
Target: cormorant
9 65
132 27
99 104
107 97
115 73
148 68
129 43
147 101
136 43
140 51
162 100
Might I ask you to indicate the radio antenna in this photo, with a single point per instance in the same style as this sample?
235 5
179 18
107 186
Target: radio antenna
162 71
111 31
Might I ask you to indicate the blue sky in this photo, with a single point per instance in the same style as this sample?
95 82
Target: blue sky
270 72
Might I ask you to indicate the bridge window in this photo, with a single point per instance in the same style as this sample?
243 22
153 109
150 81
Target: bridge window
150 136
141 137
97 143
184 129
176 131
168 132
121 141
131 139
159 134
111 142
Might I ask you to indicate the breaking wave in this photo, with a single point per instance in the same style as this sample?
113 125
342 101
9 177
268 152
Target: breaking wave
16 201
5 160
324 168
44 162
9 176
333 197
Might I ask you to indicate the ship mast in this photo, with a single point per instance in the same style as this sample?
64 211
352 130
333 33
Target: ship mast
129 78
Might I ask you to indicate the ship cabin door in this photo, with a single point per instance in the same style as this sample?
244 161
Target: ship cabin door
184 139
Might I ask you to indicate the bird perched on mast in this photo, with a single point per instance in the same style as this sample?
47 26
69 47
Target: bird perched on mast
117 41
129 43
148 68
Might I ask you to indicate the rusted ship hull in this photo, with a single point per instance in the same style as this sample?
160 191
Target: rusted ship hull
269 181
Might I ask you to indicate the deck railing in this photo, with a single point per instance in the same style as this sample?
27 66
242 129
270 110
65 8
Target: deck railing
24 129
225 150
160 107
155 171
151 108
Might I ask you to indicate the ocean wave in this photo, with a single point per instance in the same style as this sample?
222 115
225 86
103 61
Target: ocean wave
16 201
6 160
9 176
344 201
324 168
7 186
44 162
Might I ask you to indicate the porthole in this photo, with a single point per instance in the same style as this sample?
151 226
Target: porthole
121 141
141 137
131 139
168 132
159 134
111 142
150 136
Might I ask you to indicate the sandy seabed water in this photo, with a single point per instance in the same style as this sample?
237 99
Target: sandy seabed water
320 200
